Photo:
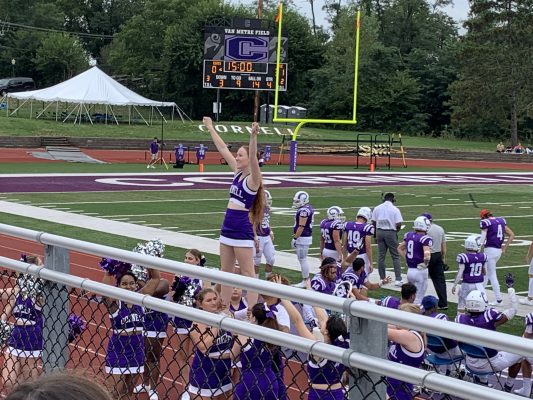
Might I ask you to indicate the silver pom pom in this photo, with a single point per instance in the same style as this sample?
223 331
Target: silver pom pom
30 286
5 332
155 248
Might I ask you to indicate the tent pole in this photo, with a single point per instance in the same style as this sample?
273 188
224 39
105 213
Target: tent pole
69 114
151 114
161 114
172 113
135 108
16 109
111 109
88 114
129 114
105 114
42 112
7 106
57 109
31 108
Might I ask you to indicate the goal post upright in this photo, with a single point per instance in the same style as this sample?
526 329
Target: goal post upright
302 121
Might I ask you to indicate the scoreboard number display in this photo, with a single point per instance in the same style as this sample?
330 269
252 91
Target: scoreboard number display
243 57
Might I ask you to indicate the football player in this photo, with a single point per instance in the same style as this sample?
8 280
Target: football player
302 237
359 237
264 241
331 229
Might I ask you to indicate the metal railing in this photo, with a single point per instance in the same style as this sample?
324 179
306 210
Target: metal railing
367 321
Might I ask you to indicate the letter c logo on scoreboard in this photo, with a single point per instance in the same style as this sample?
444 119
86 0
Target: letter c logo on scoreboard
246 48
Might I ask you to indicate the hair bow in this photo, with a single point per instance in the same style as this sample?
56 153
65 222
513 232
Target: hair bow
269 311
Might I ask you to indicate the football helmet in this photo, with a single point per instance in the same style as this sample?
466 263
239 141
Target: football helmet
335 213
300 199
268 198
366 213
476 301
473 243
421 224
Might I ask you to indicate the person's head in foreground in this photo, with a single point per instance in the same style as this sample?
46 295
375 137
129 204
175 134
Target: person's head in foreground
59 386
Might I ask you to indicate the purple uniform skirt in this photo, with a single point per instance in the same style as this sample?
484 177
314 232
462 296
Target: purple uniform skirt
399 390
318 394
209 376
155 324
182 326
257 385
125 354
26 341
237 230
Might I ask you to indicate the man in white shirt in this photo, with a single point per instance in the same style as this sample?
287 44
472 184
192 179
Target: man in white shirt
387 219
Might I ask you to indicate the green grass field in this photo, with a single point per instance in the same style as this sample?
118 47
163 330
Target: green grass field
185 211
19 126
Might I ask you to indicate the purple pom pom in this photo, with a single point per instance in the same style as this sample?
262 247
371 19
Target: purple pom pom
114 267
24 257
76 327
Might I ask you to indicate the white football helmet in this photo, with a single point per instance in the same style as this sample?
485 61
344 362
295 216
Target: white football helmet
300 199
476 301
268 198
421 224
335 213
473 243
366 213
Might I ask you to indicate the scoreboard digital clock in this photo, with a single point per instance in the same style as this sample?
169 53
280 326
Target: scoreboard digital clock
243 56
237 75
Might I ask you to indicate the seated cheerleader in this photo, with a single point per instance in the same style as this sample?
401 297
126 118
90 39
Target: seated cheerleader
124 359
210 373
258 380
238 306
325 376
184 291
25 344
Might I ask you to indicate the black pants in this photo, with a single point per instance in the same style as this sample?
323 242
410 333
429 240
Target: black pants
436 273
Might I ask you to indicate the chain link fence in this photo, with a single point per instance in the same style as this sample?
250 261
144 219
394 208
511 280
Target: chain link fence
144 348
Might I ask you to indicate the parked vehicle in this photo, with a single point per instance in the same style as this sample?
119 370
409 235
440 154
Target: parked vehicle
11 85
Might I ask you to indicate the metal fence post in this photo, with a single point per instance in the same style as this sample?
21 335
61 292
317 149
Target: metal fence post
367 337
55 311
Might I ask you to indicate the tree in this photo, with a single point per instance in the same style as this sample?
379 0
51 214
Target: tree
60 57
494 89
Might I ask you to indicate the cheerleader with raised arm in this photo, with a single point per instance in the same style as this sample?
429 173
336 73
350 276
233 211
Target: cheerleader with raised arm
258 381
325 376
210 373
25 343
125 356
245 210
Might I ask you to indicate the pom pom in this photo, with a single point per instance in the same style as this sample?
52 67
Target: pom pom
5 332
76 326
30 286
155 248
24 257
185 290
114 267
202 261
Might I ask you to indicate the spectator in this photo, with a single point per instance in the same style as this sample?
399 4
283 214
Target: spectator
154 151
500 147
387 219
61 386
437 263
519 149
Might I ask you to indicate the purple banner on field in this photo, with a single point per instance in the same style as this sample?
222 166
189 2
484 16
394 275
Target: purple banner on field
294 154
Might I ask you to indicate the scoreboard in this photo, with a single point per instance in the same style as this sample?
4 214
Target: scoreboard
243 56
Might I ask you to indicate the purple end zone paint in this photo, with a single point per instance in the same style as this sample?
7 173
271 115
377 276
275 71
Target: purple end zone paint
64 183
294 154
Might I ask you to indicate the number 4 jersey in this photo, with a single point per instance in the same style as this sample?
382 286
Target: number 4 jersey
495 231
473 262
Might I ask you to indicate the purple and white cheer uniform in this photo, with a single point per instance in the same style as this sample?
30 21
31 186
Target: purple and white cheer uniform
26 340
125 353
155 324
399 390
237 229
210 373
258 380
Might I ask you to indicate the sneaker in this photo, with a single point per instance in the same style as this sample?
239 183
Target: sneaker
507 388
302 284
496 303
147 166
522 392
478 381
526 302
444 308
152 395
142 388
398 283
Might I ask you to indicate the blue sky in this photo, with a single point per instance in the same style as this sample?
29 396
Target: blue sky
458 11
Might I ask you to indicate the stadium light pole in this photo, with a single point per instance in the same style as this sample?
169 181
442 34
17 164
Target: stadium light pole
257 92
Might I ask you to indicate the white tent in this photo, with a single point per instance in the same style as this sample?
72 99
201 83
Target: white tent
92 87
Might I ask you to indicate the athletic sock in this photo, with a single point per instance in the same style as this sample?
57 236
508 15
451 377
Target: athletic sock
530 289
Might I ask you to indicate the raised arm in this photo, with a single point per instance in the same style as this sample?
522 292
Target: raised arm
151 285
297 320
220 144
111 304
254 180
